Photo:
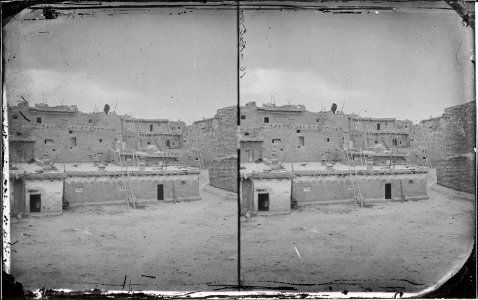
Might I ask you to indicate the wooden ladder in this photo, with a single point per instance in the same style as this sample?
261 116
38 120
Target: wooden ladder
353 175
130 197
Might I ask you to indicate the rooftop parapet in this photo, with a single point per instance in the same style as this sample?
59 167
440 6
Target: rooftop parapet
61 175
60 109
283 108
333 172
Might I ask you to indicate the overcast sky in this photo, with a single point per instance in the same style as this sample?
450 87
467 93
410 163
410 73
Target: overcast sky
405 65
177 64
154 63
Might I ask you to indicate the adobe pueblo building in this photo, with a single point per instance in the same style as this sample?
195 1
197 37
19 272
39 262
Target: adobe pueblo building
293 157
60 157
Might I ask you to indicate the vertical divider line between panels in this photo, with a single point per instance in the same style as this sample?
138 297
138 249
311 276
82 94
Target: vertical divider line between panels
238 151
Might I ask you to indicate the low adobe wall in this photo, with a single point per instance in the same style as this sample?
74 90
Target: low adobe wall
111 187
332 186
337 188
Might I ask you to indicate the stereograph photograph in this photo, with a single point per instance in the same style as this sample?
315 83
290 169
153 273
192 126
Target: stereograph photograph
261 148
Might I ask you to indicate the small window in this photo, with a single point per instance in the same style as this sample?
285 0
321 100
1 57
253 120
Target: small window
149 143
317 120
90 121
298 130
183 182
19 133
328 140
70 131
266 119
378 126
276 141
301 141
376 142
179 127
48 141
246 133
73 142
406 126
410 181
14 117
53 150
101 140
400 142
38 120
307 188
243 117
150 127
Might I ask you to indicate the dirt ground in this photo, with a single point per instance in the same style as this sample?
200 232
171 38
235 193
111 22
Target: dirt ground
387 247
186 246
394 246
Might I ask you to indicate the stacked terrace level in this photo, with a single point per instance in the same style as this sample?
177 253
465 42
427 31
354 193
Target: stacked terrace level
65 134
290 133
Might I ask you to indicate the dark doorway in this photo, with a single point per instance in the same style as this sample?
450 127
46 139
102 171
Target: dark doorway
263 199
160 192
388 191
35 202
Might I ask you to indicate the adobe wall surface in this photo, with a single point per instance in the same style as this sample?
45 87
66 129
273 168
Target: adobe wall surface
21 151
364 141
317 189
370 124
17 196
317 143
81 190
250 151
279 191
253 117
95 133
72 144
223 174
208 144
247 196
51 192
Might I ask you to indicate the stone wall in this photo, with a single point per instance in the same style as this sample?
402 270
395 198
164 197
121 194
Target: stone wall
227 130
450 141
223 174
458 173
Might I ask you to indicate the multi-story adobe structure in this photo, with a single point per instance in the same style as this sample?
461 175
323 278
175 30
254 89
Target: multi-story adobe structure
290 133
162 133
390 132
65 134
